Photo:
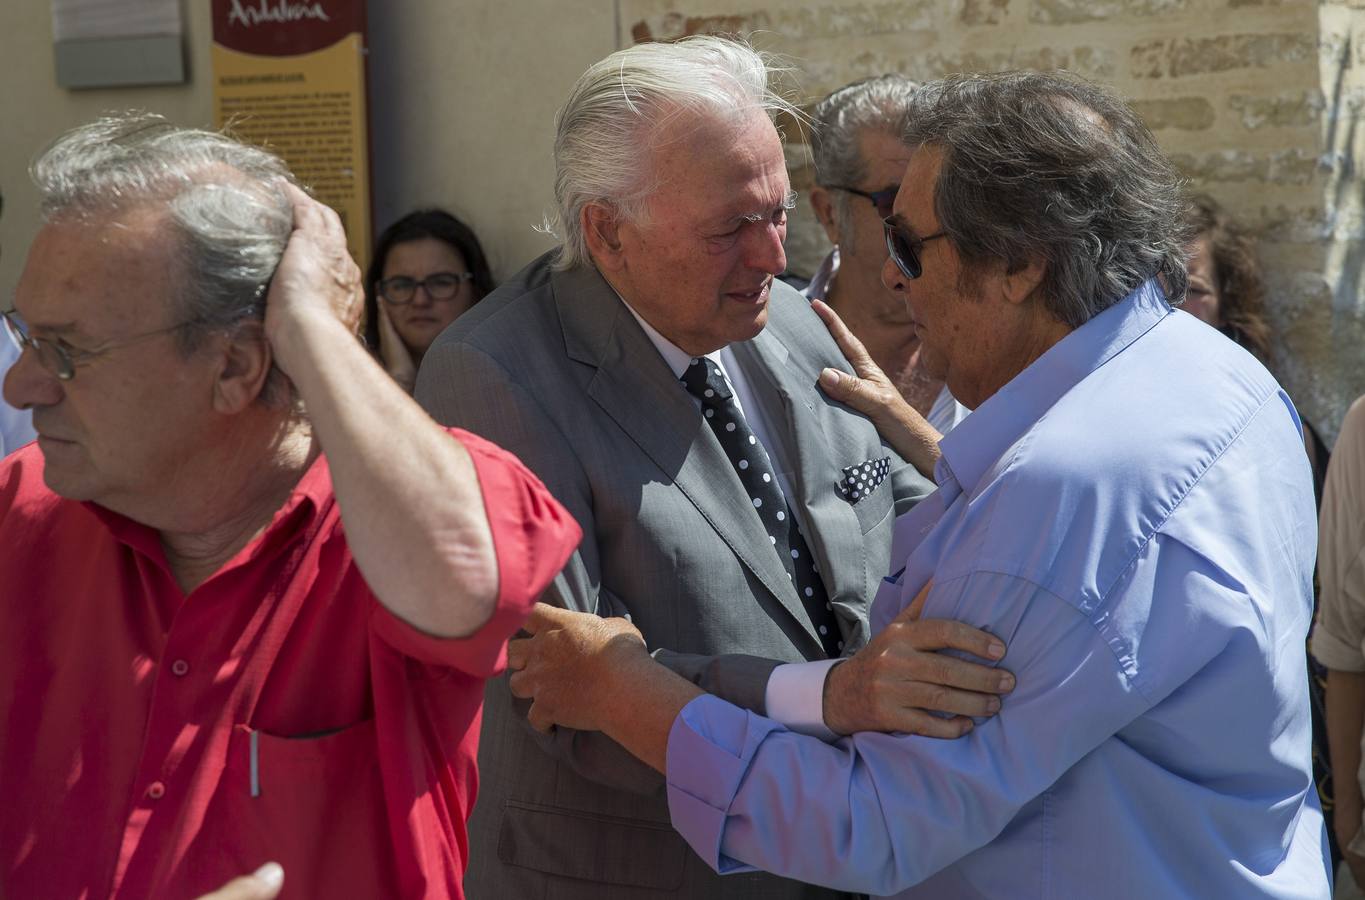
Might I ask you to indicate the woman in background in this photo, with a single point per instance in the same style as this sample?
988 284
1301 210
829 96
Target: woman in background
1227 291
428 268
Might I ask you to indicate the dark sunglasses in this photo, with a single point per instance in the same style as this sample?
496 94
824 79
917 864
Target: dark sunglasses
884 200
904 248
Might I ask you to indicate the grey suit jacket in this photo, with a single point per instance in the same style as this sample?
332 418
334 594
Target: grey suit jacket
553 367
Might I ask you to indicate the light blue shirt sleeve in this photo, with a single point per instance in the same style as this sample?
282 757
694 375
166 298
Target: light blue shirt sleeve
16 425
878 813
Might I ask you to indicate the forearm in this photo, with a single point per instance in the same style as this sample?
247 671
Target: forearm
650 699
1345 720
409 493
601 757
734 677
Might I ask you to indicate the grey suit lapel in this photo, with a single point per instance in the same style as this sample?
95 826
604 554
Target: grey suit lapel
832 531
634 386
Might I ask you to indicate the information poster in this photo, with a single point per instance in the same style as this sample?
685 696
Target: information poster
291 76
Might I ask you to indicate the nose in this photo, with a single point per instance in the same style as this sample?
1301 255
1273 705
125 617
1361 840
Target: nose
28 384
421 291
893 279
764 250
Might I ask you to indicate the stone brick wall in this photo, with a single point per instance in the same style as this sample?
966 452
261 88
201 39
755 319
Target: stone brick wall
1258 101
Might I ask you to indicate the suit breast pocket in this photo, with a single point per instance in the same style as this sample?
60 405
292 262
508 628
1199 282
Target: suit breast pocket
873 508
867 488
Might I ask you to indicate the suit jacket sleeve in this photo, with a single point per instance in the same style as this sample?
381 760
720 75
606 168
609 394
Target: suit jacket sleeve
460 385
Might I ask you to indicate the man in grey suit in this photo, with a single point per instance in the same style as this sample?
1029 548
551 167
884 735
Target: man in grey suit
660 381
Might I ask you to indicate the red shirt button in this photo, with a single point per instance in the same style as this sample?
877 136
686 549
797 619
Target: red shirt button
156 790
179 668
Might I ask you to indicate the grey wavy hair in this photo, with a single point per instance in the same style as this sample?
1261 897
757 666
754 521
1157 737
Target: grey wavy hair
604 130
226 209
877 104
1050 166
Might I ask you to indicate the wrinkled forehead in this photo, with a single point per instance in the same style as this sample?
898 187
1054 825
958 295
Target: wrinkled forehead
97 275
914 206
722 159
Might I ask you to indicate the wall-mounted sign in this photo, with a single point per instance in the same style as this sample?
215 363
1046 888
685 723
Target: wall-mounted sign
291 76
117 43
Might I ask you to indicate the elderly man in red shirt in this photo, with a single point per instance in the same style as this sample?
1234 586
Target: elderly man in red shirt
251 591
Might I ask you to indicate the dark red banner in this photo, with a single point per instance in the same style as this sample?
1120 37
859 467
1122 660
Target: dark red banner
285 27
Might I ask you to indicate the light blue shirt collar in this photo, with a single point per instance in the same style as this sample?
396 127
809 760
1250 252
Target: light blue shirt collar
975 445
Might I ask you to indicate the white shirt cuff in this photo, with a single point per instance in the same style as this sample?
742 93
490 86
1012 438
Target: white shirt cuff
795 697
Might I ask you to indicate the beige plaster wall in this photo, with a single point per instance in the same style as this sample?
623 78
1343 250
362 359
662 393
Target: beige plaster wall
1258 101
463 98
34 110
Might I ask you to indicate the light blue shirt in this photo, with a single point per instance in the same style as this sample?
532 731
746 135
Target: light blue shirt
1133 514
16 425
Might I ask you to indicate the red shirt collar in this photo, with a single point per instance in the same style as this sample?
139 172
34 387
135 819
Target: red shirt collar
300 514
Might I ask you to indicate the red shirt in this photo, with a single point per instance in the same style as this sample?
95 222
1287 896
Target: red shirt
154 744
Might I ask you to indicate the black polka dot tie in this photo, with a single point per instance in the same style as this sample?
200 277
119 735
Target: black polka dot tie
704 380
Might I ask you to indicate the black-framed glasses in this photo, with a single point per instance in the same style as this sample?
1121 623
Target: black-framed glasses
904 248
884 200
59 357
439 286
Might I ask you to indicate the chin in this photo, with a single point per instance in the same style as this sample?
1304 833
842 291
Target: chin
66 484
751 327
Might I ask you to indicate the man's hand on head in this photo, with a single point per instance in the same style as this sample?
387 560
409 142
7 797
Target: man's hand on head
573 666
316 283
899 680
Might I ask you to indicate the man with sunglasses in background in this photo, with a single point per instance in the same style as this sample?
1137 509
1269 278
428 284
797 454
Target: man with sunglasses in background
859 160
251 591
1128 505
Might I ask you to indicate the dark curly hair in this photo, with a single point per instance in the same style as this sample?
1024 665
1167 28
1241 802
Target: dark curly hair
1237 275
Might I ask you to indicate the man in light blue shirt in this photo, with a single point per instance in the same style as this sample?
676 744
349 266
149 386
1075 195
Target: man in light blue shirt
1128 507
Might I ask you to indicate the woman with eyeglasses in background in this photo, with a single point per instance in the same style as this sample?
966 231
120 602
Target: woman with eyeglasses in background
427 269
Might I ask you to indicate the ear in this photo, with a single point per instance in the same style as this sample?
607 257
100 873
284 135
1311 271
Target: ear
1020 282
823 204
246 365
602 230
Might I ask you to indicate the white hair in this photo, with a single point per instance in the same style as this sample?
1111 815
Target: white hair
604 130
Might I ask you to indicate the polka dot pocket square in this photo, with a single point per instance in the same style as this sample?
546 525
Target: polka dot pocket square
862 479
